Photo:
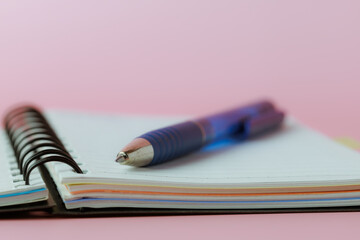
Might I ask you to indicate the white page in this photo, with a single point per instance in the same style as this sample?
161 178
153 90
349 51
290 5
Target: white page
12 186
295 156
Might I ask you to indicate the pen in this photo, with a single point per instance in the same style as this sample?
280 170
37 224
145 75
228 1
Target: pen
171 142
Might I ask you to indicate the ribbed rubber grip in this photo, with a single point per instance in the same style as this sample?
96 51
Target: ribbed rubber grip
175 141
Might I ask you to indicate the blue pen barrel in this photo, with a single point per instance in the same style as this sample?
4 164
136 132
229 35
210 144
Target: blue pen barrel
181 139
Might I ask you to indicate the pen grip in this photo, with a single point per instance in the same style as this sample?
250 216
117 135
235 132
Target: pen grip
174 141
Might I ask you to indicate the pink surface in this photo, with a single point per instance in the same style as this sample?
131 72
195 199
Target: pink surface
186 57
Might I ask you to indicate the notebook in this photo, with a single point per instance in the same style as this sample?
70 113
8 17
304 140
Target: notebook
63 162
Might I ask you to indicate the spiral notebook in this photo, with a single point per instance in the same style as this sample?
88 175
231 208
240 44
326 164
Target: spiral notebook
63 162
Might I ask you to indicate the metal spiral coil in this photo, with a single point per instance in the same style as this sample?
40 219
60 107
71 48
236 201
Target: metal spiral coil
34 142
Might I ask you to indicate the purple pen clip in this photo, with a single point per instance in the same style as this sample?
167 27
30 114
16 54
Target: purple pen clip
258 118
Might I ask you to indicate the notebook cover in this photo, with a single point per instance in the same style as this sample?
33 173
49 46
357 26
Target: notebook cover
42 205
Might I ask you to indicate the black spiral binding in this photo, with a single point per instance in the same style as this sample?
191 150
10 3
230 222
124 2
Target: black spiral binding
34 142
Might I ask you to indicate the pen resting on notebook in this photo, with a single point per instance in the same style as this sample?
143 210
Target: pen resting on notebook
171 142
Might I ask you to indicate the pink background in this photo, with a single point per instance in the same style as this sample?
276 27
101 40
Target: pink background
186 57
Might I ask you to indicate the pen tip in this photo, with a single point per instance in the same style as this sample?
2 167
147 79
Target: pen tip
122 158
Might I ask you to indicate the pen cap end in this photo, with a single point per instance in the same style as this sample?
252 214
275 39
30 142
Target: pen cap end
265 122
